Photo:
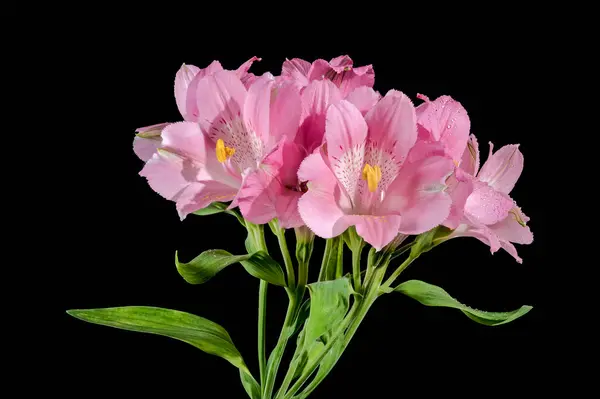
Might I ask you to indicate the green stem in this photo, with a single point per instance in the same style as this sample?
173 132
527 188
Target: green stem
302 274
257 234
402 250
310 368
278 351
262 325
371 294
397 272
329 247
339 270
356 254
287 259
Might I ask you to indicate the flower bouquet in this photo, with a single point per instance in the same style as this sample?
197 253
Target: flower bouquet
316 152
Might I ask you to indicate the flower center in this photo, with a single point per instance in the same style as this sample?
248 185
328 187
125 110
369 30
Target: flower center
224 152
372 174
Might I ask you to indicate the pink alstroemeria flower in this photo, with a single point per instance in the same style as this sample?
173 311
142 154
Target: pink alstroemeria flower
362 175
276 194
148 139
490 215
446 123
235 130
339 70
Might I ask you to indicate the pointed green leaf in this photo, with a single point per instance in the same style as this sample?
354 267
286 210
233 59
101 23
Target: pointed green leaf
215 207
303 313
330 359
250 385
206 265
262 266
432 295
255 237
329 303
197 331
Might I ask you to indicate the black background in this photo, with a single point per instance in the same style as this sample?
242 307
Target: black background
122 236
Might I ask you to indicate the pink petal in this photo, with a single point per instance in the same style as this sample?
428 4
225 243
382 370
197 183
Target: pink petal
289 157
297 70
285 113
317 206
318 70
243 69
220 97
460 186
376 230
145 148
356 77
487 205
448 122
502 169
248 79
151 131
342 74
470 159
274 194
258 195
164 172
316 97
392 124
364 98
201 194
183 78
257 107
429 211
345 130
417 194
338 64
425 149
191 103
286 208
509 228
148 139
197 152
479 231
508 247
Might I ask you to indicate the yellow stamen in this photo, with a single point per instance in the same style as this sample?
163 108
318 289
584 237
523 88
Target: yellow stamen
455 163
224 152
372 174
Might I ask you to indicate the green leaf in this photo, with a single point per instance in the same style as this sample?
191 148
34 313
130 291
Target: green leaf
255 237
250 385
432 295
206 265
330 359
301 361
215 207
194 330
303 313
262 266
329 303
